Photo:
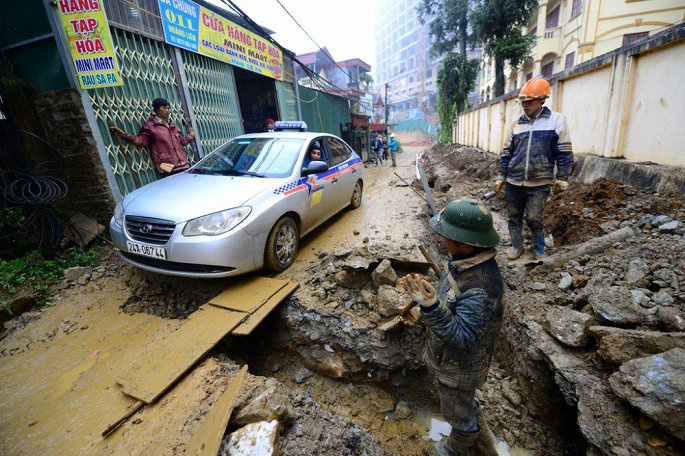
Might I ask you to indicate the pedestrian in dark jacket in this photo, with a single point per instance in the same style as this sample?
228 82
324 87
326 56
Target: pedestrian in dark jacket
537 142
377 147
462 320
163 139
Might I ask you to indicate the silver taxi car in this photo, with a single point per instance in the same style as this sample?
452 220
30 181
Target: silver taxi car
242 207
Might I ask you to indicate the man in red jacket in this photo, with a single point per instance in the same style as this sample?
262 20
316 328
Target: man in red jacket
162 138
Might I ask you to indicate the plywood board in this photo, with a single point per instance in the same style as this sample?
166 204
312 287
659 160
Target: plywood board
260 314
167 359
60 393
248 295
206 440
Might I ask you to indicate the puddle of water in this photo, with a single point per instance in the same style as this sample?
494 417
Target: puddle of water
436 428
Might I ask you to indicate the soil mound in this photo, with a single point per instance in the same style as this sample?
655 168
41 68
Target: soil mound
588 210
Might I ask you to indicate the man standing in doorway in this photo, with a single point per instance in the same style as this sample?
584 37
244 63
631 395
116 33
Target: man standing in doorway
462 320
163 138
537 142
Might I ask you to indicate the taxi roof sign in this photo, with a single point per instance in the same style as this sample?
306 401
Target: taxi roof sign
282 125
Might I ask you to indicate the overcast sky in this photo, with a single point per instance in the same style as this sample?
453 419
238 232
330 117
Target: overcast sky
343 26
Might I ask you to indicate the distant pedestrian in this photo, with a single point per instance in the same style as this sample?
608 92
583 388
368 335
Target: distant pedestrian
385 148
270 125
377 148
393 146
537 142
162 138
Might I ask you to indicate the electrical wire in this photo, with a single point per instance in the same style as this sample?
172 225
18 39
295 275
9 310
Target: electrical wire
312 39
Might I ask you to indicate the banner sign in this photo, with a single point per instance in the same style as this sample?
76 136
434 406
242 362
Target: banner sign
195 28
90 43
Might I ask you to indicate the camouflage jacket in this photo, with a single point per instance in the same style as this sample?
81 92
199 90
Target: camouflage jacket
461 327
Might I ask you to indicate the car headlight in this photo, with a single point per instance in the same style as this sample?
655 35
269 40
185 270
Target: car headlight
119 213
216 223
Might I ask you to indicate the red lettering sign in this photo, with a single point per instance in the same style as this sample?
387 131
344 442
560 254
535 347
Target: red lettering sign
88 46
78 6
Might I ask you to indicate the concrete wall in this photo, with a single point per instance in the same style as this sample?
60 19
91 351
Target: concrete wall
628 103
66 126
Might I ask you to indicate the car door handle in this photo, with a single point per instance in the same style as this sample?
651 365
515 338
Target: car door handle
354 171
334 180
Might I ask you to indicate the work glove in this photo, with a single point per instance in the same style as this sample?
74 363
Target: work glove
498 185
559 186
419 289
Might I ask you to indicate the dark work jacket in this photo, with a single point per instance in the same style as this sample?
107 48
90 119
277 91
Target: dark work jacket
533 147
165 143
461 327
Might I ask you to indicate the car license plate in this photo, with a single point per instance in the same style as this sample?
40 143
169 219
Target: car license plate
146 250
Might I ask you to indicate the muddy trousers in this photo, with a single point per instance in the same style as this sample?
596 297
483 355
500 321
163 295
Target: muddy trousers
459 408
528 201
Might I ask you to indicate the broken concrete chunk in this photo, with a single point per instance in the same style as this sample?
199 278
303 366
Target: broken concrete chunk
640 297
618 345
537 286
389 301
253 439
656 386
76 273
662 298
358 262
384 274
566 281
615 305
270 404
637 269
672 318
568 326
402 410
351 279
83 229
668 227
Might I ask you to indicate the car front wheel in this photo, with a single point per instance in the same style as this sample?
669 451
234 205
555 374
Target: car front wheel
281 245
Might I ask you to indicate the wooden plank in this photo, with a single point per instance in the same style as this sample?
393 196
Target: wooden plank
260 314
113 426
248 295
167 359
206 440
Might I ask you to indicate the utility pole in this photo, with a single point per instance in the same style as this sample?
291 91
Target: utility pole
386 109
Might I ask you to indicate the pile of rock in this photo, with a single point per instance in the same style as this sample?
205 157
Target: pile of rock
611 327
333 320
271 419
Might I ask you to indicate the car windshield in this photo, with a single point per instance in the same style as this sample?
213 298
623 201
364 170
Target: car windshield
257 157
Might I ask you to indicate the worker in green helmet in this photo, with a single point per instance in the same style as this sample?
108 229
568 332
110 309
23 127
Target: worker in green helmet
462 319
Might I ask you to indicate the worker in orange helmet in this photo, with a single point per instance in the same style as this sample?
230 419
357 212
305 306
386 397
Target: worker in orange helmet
534 144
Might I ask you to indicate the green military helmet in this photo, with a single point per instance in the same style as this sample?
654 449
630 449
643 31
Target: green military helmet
468 222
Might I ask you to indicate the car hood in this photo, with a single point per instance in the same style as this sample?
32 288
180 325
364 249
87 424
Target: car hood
186 196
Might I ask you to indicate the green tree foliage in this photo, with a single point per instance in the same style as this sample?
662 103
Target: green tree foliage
448 25
498 24
367 79
456 78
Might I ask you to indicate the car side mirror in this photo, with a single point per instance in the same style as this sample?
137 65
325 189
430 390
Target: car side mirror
315 167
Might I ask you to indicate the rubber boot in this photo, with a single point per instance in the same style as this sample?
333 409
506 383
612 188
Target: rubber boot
516 235
486 444
538 238
457 444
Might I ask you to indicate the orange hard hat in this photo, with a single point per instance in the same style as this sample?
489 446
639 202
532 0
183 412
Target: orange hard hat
535 88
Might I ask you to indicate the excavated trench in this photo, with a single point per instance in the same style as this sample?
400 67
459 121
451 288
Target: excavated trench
340 382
